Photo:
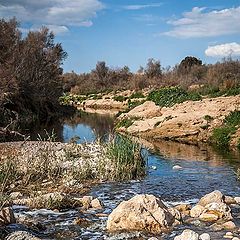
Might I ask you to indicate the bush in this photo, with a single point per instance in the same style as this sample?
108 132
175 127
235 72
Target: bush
233 119
126 122
137 95
221 136
120 98
127 157
168 96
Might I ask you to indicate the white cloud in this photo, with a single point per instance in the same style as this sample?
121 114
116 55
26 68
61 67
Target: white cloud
138 7
223 50
59 15
201 23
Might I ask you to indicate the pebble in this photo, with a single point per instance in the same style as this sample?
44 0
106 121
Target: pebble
154 167
177 167
205 236
228 235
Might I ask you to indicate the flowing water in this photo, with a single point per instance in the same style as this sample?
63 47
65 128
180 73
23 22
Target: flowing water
203 170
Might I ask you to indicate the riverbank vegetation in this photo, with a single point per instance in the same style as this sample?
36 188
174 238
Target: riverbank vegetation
30 76
33 166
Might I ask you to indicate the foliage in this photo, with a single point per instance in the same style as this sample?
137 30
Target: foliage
233 119
127 158
30 73
120 98
221 136
137 95
125 122
153 69
168 96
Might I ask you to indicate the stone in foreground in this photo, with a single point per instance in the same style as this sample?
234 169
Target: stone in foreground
6 216
21 235
142 212
213 197
187 235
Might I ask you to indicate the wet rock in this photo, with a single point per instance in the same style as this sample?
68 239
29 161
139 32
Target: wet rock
21 235
229 200
229 225
213 197
205 236
96 203
83 222
187 235
228 235
219 209
237 199
183 207
235 238
86 201
142 212
196 211
177 167
6 216
208 217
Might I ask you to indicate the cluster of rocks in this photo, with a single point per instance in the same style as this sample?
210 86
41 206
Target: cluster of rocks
148 213
143 213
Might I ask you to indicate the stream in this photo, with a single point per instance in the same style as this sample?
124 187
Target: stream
203 170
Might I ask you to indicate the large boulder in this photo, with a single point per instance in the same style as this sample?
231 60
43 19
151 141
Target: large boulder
215 196
6 216
142 212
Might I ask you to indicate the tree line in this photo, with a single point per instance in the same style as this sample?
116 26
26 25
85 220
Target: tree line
189 72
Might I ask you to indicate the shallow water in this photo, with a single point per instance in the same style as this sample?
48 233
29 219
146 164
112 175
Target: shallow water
203 170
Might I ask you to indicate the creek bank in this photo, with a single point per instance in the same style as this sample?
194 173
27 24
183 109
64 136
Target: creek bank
188 122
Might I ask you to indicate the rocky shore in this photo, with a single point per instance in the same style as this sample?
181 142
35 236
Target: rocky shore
187 122
213 213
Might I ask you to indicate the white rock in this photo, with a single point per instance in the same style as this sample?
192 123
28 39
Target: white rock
205 236
177 167
187 235
237 199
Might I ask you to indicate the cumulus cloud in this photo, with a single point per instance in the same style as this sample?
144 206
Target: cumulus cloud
59 15
142 6
223 50
202 23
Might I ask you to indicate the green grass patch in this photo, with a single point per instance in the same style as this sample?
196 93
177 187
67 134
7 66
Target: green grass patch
168 96
126 122
120 98
127 158
221 136
137 95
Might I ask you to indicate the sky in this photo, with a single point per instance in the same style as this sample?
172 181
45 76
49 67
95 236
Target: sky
129 32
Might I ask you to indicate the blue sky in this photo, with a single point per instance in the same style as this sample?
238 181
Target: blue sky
128 32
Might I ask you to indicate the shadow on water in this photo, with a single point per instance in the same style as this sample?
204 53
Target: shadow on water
82 127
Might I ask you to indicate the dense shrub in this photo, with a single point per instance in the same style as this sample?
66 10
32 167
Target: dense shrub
168 96
221 136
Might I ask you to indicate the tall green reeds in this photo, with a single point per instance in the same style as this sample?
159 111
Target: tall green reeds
127 158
